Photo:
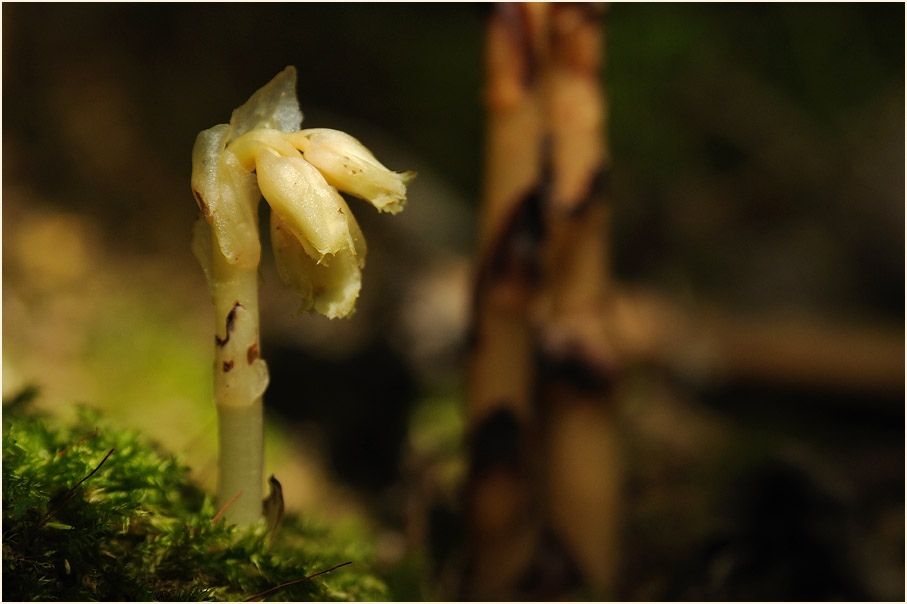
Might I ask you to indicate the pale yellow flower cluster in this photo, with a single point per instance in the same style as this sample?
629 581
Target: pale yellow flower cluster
318 245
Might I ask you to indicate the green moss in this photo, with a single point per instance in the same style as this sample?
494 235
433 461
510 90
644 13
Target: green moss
79 524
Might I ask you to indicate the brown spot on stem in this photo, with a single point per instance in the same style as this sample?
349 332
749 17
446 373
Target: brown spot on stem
201 203
231 318
252 353
228 365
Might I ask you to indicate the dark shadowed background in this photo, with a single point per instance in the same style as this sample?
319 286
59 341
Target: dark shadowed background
758 166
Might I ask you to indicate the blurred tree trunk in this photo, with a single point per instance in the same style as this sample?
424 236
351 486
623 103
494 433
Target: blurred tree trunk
542 501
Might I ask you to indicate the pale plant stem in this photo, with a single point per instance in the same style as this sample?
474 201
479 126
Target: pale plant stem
240 442
240 378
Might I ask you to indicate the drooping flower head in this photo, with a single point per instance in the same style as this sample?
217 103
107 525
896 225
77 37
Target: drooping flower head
318 246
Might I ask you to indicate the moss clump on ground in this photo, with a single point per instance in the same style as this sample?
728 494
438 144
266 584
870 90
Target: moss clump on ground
91 512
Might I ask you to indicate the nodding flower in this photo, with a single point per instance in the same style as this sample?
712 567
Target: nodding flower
350 167
317 243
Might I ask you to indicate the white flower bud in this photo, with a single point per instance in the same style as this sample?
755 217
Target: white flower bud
329 287
312 209
318 246
350 167
228 197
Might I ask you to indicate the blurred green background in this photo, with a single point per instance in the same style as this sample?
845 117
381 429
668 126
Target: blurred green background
758 163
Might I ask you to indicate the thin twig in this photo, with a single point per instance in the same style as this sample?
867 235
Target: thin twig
712 345
72 492
78 442
224 509
321 572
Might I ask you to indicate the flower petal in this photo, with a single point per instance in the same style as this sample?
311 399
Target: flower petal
312 209
202 248
349 166
227 195
328 286
247 147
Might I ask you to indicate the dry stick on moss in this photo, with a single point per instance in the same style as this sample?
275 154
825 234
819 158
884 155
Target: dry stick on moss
71 493
93 434
317 244
289 583
226 506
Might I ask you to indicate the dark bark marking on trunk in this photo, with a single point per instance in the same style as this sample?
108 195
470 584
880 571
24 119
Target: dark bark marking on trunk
517 22
578 370
552 571
496 441
596 192
516 258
